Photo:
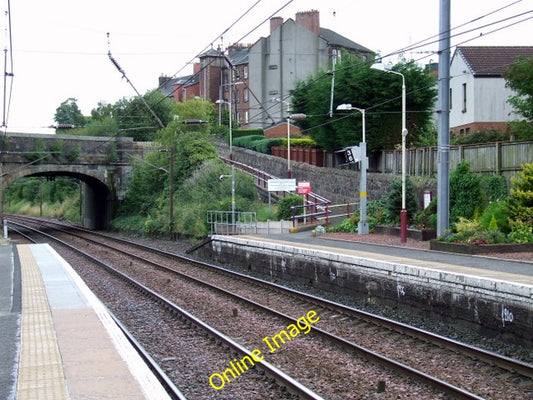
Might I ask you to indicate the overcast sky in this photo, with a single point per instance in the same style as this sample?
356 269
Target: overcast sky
59 47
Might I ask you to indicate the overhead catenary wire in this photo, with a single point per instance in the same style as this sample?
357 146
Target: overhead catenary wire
117 66
8 74
425 43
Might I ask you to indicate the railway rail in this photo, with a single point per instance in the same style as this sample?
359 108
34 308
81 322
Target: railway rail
289 388
345 325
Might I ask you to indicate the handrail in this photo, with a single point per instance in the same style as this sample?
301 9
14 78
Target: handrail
263 177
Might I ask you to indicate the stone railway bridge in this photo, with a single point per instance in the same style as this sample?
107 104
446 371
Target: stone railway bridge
102 164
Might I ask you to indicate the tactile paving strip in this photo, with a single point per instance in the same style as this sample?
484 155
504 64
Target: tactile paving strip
41 375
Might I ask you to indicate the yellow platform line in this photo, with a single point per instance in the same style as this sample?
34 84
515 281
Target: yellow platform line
41 375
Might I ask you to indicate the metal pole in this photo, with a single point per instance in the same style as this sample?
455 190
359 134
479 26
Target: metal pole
231 150
403 212
443 173
288 141
363 224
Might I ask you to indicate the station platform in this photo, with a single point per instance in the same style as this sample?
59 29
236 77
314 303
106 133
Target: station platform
58 341
482 266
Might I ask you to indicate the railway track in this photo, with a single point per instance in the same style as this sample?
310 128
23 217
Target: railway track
190 329
353 331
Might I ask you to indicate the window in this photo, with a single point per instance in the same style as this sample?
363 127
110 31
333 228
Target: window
245 94
464 97
245 72
246 120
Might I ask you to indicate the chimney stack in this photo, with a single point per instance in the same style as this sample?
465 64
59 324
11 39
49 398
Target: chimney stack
309 20
275 22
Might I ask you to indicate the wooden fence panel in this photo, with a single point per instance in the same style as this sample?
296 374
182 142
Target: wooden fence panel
502 158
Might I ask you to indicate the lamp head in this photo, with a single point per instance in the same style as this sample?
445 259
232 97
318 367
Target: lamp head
344 107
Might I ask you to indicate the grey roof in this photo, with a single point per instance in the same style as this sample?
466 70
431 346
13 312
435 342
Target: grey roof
334 39
211 53
240 56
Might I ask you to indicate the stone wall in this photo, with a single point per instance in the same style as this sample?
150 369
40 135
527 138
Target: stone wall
504 308
339 185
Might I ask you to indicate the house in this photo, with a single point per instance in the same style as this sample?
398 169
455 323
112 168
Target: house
478 95
294 50
264 71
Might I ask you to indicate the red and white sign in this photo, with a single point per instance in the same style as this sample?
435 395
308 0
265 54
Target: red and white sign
304 187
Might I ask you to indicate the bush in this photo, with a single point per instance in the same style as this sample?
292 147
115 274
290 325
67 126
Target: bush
347 225
299 142
393 202
376 212
521 233
263 146
237 133
520 202
257 143
285 204
496 212
493 188
247 141
479 137
465 193
427 218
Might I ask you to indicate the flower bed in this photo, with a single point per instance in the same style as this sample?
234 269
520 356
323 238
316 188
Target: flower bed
416 234
467 248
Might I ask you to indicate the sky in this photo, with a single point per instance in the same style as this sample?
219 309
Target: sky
58 48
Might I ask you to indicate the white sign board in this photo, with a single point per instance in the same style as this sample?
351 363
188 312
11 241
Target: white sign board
281 185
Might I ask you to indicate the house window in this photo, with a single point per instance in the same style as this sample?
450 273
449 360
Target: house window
464 97
246 72
272 66
245 94
246 120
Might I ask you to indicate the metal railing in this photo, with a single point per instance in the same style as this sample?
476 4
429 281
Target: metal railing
262 177
231 223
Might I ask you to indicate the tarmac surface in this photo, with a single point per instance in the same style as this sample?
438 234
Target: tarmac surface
10 314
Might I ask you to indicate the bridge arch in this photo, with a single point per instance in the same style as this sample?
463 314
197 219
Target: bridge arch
97 196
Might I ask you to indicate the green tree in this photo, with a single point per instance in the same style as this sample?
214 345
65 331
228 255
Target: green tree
520 201
68 113
376 92
519 77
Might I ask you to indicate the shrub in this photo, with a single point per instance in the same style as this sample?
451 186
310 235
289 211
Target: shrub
347 225
237 133
393 202
493 188
299 142
427 218
464 193
247 141
263 146
520 202
496 212
521 233
285 204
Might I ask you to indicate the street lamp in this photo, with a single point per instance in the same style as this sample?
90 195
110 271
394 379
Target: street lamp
362 227
294 117
403 212
220 101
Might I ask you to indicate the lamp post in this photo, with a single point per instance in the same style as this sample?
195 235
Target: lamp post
220 101
362 227
403 212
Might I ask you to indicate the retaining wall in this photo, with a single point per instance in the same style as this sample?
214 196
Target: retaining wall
480 303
